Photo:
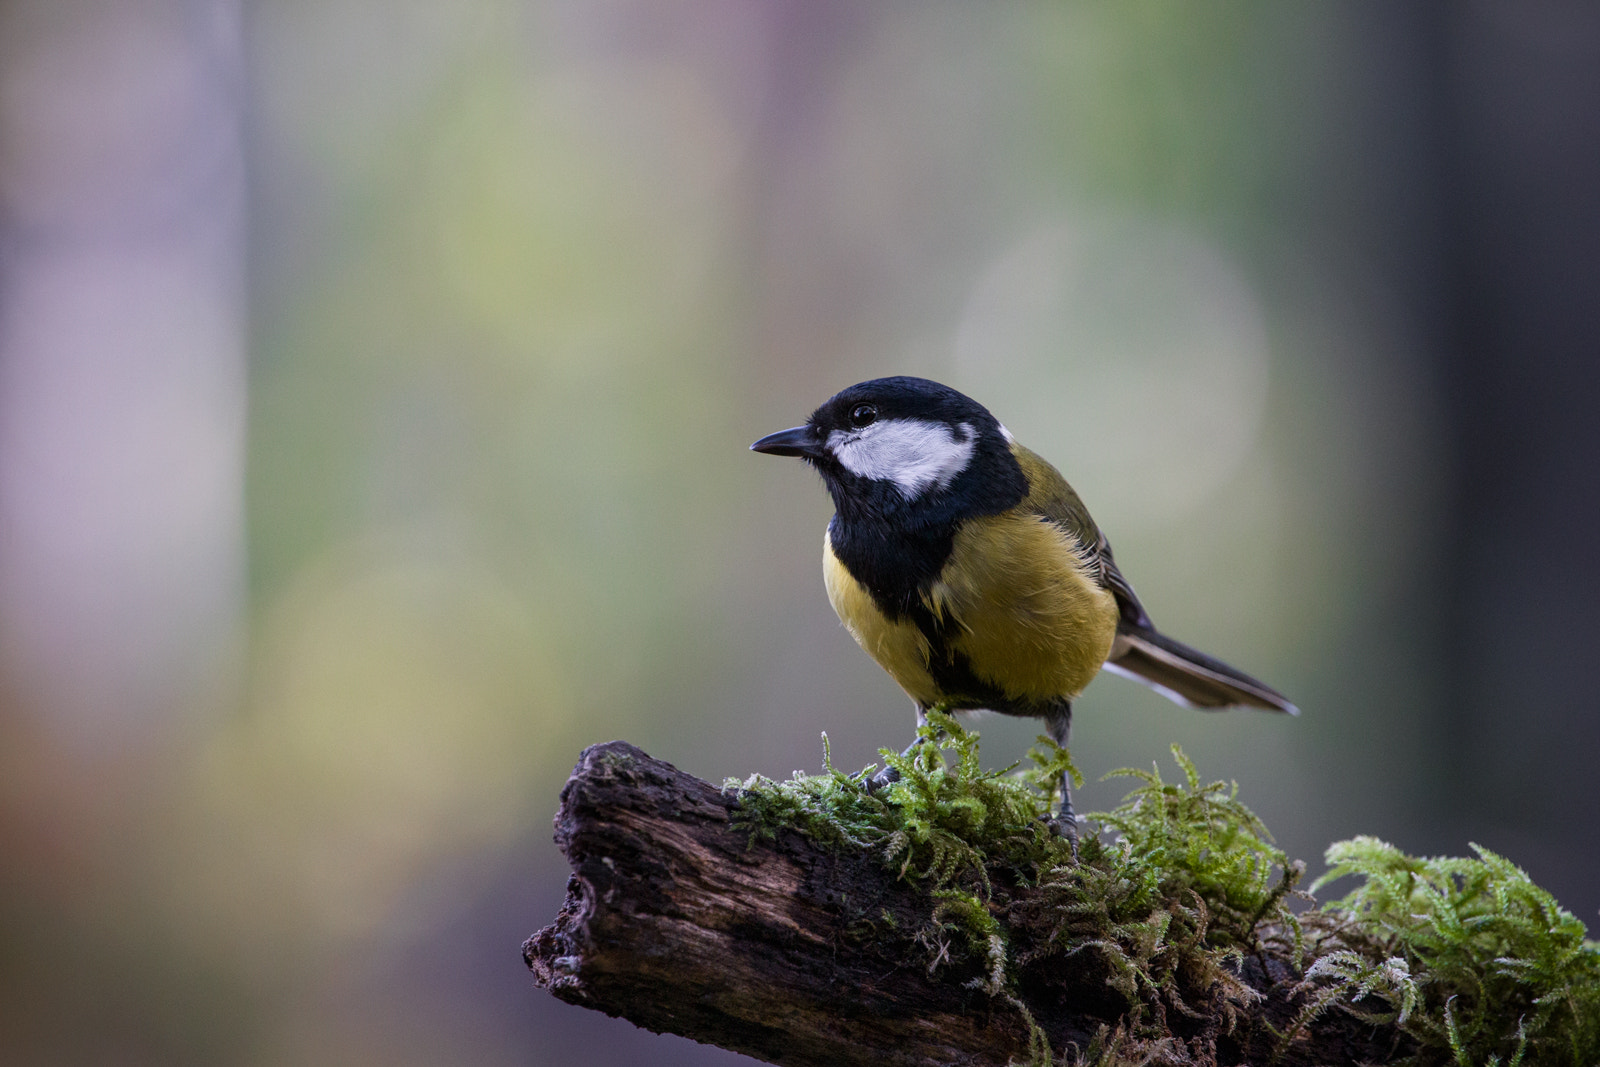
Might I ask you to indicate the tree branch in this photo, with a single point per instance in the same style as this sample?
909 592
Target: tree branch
800 954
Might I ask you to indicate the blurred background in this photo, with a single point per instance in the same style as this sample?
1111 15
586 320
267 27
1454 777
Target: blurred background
375 386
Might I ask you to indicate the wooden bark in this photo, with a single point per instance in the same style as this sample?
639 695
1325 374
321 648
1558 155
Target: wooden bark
797 954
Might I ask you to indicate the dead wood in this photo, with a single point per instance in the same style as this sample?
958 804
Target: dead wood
800 954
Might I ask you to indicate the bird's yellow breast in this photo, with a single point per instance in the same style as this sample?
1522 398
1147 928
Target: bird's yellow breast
1014 599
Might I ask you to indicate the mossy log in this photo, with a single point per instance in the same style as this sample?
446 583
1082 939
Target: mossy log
799 953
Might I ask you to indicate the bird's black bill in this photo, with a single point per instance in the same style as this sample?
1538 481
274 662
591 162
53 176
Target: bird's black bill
800 441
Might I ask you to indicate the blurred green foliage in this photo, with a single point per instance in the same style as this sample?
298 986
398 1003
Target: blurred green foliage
525 278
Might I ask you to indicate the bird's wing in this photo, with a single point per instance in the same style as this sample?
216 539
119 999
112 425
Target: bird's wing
1050 497
1183 674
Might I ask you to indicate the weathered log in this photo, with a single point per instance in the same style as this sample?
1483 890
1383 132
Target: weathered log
801 954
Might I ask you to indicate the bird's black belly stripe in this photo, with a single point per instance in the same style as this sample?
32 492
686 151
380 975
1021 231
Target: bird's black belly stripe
952 673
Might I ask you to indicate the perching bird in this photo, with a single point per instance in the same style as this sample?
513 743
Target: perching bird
970 570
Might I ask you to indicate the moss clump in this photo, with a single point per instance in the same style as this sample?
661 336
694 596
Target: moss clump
1171 897
1174 889
1469 956
943 822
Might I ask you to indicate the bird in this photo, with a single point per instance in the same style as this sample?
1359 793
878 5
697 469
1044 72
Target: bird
969 569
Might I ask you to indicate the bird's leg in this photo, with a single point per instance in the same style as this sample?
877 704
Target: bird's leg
1057 723
889 774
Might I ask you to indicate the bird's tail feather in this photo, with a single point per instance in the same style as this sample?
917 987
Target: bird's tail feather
1188 676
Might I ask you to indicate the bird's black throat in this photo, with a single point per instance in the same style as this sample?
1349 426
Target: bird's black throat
897 547
897 566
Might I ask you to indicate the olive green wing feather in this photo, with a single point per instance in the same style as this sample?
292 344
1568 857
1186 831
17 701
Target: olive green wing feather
1141 652
1050 497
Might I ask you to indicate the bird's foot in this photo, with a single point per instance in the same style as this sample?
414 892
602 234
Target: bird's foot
1065 826
887 776
882 780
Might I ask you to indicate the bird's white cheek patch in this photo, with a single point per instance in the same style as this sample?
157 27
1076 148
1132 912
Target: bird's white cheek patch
914 454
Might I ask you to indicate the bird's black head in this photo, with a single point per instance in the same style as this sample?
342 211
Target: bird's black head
906 448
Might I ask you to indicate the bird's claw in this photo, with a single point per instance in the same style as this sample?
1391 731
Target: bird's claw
1065 828
882 780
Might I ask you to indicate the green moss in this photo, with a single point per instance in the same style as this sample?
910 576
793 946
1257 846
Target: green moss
1468 955
942 821
1172 890
1170 894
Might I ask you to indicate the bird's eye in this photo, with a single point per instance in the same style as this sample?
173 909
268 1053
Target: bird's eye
863 415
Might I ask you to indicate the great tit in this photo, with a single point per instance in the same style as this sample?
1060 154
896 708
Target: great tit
970 570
